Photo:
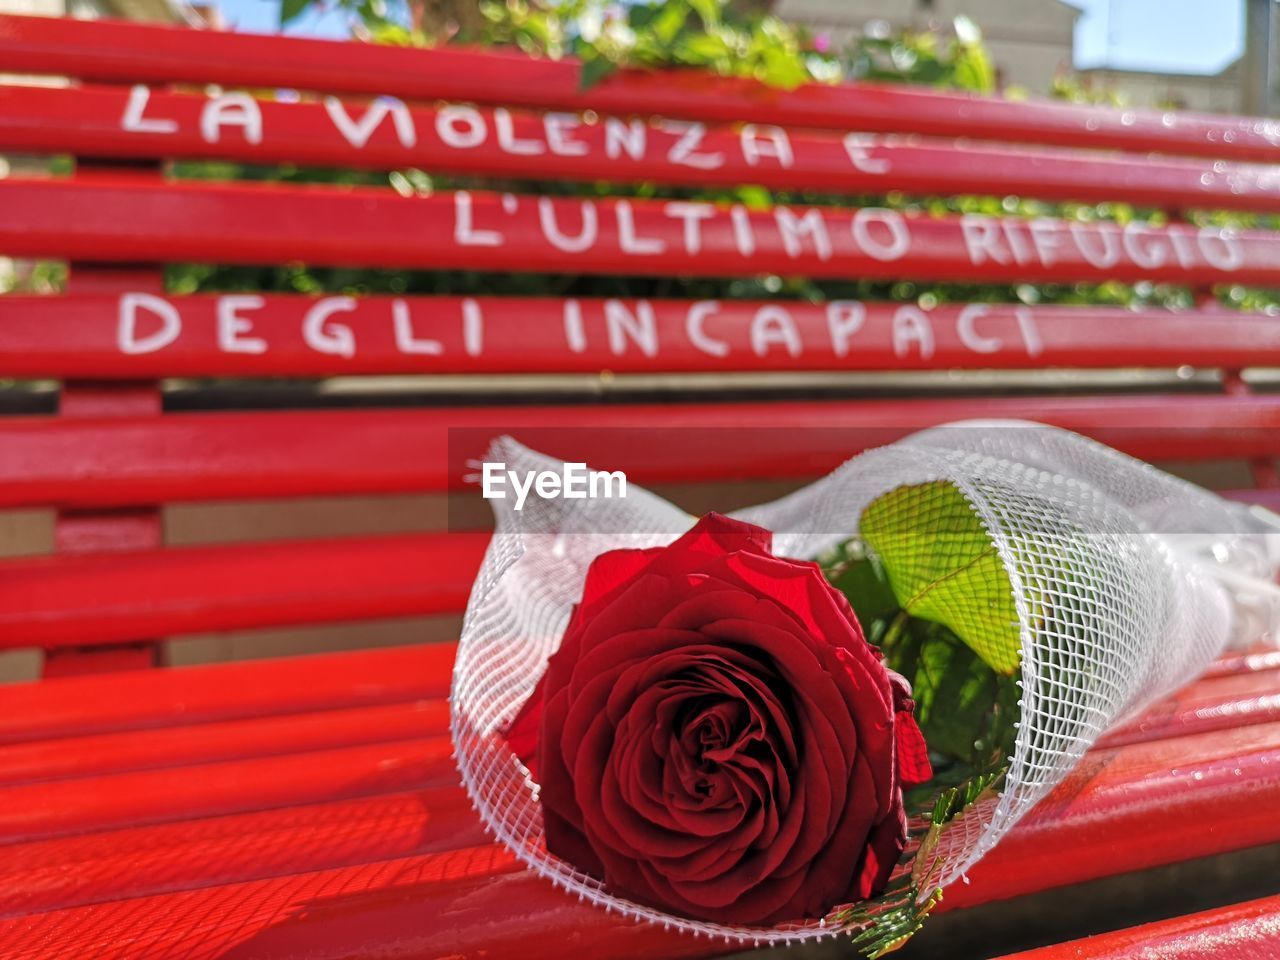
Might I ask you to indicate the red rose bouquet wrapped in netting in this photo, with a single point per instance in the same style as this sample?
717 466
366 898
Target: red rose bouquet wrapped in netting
811 717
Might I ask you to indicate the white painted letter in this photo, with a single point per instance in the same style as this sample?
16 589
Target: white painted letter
460 127
472 328
1151 256
899 236
557 127
743 236
856 146
982 238
697 316
507 140
1221 247
232 326
911 325
628 242
358 132
337 339
624 137
1030 332
231 110
574 333
692 213
776 145
623 325
683 151
405 340
772 324
464 233
127 338
586 237
794 229
135 122
844 319
1110 254
1046 234
970 337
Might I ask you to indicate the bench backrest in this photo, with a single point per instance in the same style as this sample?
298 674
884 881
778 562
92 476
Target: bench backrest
112 455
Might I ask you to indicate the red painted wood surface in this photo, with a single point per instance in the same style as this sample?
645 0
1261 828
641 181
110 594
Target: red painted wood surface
203 456
35 811
53 601
1212 703
1244 931
384 856
74 870
1139 806
119 337
122 52
129 122
371 227
79 531
1247 662
117 753
224 692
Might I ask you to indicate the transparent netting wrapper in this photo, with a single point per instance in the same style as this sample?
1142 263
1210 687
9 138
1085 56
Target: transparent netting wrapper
1127 582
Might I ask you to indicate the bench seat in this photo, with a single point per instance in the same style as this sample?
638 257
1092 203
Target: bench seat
310 807
1245 931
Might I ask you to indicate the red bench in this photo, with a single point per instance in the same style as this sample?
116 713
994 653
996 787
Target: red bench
308 806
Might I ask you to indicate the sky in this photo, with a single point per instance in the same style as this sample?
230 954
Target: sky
1175 36
1183 36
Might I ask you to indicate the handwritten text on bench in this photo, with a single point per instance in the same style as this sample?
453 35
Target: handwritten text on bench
473 327
692 228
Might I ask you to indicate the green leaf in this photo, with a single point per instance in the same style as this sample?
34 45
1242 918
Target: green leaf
289 9
708 10
669 20
641 15
861 579
594 70
964 708
943 567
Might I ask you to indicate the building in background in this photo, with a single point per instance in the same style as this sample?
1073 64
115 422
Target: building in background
1212 93
154 11
1031 42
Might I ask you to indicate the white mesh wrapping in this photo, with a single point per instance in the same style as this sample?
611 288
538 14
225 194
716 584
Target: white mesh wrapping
1117 568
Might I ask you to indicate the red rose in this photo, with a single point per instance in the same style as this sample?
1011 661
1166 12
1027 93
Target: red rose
715 737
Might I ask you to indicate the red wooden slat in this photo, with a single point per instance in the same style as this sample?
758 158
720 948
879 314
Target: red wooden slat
372 227
58 808
114 51
89 531
128 336
417 907
158 858
1249 662
1212 703
148 699
48 601
117 122
263 454
1132 810
112 753
1138 806
1245 931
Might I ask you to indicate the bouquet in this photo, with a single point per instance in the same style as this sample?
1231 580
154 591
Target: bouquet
812 716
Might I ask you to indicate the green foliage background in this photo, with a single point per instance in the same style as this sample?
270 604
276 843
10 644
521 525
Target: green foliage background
727 39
